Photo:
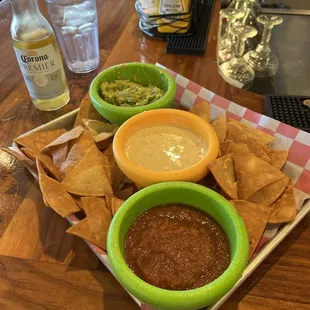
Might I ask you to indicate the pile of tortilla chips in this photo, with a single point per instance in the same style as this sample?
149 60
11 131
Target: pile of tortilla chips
247 172
77 171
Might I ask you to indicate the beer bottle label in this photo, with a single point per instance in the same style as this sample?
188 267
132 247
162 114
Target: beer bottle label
42 71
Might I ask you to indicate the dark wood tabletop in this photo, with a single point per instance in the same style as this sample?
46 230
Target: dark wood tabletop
41 267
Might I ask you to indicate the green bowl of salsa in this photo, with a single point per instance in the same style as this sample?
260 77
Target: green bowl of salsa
199 198
125 90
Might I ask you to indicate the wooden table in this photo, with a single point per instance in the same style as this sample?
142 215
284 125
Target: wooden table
43 268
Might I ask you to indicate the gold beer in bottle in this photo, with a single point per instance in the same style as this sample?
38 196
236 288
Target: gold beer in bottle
38 56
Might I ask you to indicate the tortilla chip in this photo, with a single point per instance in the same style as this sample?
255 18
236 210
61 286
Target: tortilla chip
202 109
108 199
252 174
246 145
36 141
219 121
77 200
88 178
269 193
57 197
238 148
257 148
103 145
40 169
255 219
88 111
59 154
224 147
46 162
259 135
124 194
220 132
249 131
94 228
113 203
84 143
116 204
224 172
114 173
49 166
220 127
278 158
90 204
100 131
66 137
234 132
103 136
109 154
29 153
256 145
97 127
266 148
284 209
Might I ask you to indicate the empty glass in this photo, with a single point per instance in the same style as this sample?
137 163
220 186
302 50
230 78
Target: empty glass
76 26
237 71
241 4
226 42
262 59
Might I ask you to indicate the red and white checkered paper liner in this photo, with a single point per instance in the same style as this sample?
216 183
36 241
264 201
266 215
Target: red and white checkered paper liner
296 141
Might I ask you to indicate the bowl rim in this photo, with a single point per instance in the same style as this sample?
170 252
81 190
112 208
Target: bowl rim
94 93
168 299
119 150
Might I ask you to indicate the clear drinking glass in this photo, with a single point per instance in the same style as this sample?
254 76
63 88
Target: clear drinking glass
226 40
76 26
262 59
237 71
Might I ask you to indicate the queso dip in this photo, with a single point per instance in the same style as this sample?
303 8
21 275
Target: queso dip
165 148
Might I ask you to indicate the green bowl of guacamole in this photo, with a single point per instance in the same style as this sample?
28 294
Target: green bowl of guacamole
125 90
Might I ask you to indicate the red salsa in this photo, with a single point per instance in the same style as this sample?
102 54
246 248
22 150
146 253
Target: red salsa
176 247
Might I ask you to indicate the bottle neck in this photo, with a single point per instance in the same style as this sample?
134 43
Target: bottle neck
22 7
28 24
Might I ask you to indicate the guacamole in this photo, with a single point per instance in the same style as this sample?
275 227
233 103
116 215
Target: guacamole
125 93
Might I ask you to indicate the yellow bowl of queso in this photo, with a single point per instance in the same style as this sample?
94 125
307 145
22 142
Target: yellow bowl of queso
165 145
